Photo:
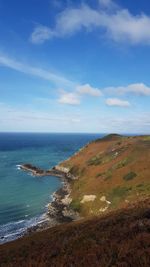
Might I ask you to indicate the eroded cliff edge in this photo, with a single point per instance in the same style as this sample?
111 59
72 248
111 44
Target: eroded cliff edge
107 174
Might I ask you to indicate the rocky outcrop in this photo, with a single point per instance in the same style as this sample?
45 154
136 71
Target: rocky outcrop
57 171
59 209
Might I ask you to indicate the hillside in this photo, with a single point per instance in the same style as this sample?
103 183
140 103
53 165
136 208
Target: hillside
110 190
112 173
120 239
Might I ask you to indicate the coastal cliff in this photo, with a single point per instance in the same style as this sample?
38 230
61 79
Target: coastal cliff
113 172
107 174
106 183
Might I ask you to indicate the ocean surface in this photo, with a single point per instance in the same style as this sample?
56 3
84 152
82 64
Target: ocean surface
23 197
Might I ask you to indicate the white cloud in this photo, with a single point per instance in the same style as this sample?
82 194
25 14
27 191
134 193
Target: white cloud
135 88
69 98
34 71
120 24
138 88
86 89
41 34
69 22
117 102
74 98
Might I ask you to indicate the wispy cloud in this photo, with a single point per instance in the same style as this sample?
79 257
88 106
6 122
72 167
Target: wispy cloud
34 71
108 4
41 34
117 102
23 119
120 24
71 97
133 123
74 92
135 89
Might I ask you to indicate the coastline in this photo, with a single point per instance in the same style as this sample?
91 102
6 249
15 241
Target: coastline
58 210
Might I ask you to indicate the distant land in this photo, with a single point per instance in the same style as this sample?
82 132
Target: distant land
107 195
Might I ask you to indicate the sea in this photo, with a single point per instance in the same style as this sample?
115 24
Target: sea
24 197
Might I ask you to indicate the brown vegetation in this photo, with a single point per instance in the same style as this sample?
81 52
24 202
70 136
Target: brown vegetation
113 167
120 239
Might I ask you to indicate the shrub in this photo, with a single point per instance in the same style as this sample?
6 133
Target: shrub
75 205
120 191
100 174
95 161
122 163
74 170
108 175
129 176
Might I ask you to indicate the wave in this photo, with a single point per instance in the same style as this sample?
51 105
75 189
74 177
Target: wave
18 167
14 230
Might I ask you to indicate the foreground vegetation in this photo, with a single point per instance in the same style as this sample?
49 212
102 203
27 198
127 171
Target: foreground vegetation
119 239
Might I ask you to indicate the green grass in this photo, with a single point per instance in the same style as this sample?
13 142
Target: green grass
143 188
122 163
101 159
146 138
117 195
108 175
108 158
95 160
120 191
75 205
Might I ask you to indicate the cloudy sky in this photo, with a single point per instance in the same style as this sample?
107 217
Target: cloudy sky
75 66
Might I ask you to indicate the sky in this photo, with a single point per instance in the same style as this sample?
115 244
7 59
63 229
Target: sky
75 66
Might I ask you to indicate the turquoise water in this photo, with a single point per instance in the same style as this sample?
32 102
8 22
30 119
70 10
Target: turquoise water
23 197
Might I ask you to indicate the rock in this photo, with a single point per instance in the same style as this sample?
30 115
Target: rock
103 209
87 198
103 199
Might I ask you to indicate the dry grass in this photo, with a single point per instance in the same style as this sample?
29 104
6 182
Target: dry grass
111 162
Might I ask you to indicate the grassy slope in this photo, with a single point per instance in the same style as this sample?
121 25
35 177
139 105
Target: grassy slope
116 167
120 239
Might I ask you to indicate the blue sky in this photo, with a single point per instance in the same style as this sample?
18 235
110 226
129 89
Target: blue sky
75 66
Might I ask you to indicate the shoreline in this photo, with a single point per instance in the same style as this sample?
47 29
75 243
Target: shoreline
58 210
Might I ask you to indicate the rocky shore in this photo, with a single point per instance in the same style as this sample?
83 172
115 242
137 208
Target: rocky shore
58 211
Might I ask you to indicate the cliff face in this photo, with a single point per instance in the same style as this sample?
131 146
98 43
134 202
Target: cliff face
112 172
